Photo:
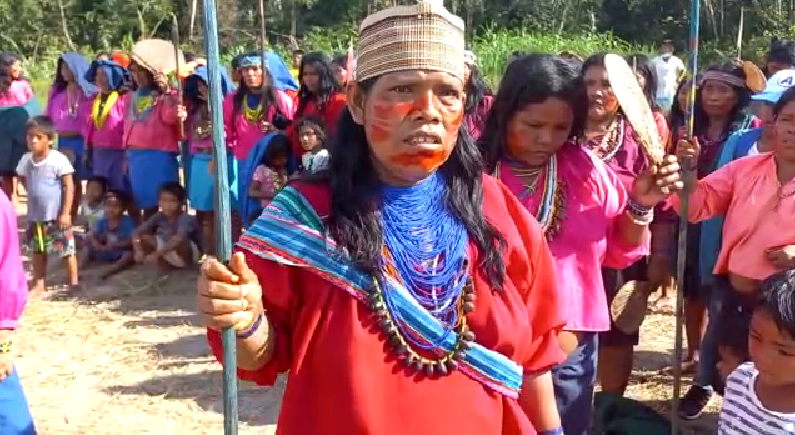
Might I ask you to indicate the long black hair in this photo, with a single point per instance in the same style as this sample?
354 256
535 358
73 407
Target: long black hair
642 66
476 89
531 79
700 118
7 61
268 92
327 85
676 118
355 220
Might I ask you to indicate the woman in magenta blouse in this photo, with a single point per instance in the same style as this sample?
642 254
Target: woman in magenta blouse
15 418
589 218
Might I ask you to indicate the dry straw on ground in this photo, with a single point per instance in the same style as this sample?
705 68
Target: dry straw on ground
129 357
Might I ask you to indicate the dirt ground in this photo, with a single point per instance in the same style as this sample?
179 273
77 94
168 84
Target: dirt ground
128 356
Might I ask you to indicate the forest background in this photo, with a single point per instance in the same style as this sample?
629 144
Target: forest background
40 30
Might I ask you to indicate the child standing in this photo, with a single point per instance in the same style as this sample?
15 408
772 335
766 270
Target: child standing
760 395
312 138
168 238
15 415
272 175
110 240
48 178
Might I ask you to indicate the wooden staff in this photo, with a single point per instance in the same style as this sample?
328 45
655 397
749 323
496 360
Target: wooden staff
223 233
263 64
740 35
695 16
183 149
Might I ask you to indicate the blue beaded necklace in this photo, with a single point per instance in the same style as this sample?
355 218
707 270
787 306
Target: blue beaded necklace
427 245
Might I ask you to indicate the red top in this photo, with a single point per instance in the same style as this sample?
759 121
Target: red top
344 380
330 114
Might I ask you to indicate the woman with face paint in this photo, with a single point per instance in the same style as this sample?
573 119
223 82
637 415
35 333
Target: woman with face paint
435 311
104 129
720 111
319 94
198 131
610 136
590 219
151 134
69 107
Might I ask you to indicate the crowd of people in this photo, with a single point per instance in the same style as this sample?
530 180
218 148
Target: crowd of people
421 254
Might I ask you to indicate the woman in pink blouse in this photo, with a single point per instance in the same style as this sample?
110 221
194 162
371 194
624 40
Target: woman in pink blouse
151 136
15 107
589 218
69 105
104 128
15 416
14 89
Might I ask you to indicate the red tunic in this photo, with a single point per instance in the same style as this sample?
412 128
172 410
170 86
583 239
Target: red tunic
330 114
344 380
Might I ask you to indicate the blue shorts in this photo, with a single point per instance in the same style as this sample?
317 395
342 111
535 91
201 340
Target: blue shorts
15 418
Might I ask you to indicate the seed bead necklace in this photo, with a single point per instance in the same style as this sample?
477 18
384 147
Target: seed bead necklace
551 210
425 247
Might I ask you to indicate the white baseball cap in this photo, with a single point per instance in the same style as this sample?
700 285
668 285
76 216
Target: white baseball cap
776 86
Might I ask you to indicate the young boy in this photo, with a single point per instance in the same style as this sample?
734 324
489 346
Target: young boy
47 177
110 240
760 395
92 209
170 237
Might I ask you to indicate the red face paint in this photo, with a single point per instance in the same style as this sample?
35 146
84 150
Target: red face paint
427 160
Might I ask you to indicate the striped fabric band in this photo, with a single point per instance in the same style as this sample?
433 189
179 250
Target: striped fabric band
291 233
743 412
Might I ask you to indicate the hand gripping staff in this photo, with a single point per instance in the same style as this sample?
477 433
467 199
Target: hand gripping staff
222 207
695 11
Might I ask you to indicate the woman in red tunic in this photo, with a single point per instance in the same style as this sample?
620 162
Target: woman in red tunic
319 93
406 292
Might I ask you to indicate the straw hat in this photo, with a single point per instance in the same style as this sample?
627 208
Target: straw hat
423 36
754 77
628 308
157 56
635 107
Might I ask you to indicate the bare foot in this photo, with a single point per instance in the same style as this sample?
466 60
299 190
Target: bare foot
36 288
688 367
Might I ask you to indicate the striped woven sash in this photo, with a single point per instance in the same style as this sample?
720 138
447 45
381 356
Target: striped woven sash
290 232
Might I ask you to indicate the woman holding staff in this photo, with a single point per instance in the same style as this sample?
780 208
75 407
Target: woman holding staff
434 286
589 218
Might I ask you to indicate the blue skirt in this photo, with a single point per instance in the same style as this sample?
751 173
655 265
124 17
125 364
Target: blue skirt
15 418
148 170
72 147
201 183
109 163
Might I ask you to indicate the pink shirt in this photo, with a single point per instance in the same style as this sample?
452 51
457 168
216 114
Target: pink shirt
17 94
58 111
111 135
759 213
157 131
13 284
242 135
199 145
588 238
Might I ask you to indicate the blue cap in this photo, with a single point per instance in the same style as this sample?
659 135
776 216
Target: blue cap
776 86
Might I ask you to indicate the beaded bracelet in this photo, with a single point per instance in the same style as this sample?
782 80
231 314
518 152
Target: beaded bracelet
638 209
642 220
558 431
5 347
249 331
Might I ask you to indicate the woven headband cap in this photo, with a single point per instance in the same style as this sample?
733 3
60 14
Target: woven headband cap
424 36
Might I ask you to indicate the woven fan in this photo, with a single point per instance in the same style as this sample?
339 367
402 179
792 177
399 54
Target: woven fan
628 308
754 77
635 107
156 55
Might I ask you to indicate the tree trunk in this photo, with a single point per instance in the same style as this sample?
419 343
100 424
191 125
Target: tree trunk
65 27
293 17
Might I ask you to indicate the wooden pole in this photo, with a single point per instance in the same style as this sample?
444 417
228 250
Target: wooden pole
695 13
223 234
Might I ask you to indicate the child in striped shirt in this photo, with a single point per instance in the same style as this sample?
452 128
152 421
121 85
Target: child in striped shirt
760 395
